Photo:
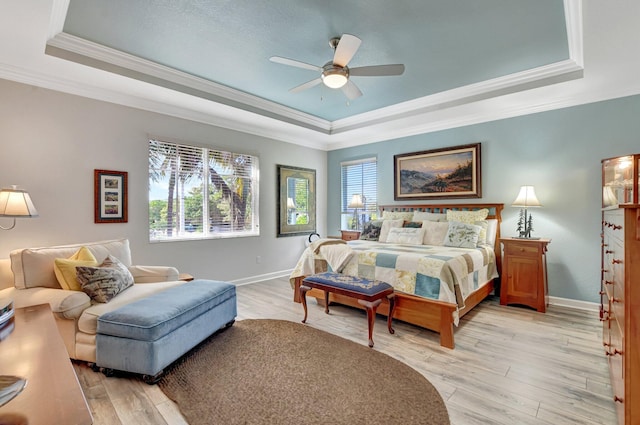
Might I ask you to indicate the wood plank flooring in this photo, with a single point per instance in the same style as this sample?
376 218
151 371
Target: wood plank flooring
510 366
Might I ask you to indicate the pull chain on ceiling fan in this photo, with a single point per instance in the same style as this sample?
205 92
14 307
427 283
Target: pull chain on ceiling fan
336 74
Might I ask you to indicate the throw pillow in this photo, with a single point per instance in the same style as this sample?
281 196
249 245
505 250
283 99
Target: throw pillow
65 268
434 232
482 237
397 215
371 230
412 224
462 235
406 235
104 282
386 226
429 216
470 217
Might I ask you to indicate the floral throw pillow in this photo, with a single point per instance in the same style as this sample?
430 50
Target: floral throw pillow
462 235
371 230
104 282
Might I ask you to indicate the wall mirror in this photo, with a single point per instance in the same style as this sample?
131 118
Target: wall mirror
296 201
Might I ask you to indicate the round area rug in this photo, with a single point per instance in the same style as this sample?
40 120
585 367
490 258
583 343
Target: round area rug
280 372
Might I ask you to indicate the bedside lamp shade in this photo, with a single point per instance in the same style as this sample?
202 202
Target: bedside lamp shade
16 203
526 199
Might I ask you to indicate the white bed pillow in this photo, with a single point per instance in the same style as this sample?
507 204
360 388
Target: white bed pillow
492 231
386 226
462 235
406 235
428 216
434 232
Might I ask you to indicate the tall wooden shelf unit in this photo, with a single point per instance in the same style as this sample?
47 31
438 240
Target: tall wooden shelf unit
620 282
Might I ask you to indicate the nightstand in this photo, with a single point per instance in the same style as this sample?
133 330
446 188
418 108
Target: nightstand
350 235
524 272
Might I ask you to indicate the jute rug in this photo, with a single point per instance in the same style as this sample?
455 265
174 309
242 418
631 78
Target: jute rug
280 372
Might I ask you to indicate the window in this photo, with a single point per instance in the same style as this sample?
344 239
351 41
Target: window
181 175
359 178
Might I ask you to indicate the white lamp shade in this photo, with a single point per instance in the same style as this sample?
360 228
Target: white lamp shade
356 201
290 203
526 198
16 203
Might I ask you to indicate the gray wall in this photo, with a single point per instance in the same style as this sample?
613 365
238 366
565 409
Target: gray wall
558 152
51 142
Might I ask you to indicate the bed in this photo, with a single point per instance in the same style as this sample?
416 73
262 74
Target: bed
456 292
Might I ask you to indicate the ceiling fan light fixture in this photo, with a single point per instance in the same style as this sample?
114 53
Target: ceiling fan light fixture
335 78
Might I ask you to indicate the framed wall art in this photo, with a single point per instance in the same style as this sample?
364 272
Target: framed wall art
110 196
452 172
296 201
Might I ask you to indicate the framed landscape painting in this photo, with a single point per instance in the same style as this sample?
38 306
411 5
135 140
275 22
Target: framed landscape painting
110 196
452 172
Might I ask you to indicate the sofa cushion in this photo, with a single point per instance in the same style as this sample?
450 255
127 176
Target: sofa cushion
159 314
88 321
33 267
64 303
65 268
104 282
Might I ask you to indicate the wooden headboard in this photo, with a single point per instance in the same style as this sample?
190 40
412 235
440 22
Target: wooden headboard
495 211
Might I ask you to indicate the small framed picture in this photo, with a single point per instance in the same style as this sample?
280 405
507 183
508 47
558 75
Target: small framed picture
110 196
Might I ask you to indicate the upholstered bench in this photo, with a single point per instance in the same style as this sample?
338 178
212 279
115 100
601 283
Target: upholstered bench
369 294
147 335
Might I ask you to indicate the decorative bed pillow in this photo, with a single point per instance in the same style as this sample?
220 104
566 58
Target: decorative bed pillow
462 235
415 224
406 235
434 232
386 226
371 230
65 268
470 217
482 237
397 215
428 216
104 282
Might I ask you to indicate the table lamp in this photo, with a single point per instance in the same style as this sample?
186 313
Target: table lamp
526 199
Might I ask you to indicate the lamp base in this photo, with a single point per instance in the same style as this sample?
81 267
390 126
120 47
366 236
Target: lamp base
527 237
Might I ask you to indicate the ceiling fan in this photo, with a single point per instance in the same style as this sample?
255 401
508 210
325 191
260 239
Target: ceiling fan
335 73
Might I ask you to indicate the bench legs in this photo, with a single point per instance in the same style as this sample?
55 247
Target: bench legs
370 306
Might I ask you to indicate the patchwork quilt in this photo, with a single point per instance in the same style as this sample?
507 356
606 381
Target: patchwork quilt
437 272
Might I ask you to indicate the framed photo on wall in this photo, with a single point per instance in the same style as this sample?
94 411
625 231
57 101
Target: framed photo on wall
452 172
110 196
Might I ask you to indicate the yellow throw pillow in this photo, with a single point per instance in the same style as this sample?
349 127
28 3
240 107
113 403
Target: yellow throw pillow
65 268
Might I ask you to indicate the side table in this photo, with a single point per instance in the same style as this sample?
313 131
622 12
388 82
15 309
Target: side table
524 272
35 351
350 235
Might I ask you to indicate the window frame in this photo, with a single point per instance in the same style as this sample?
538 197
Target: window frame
199 157
365 184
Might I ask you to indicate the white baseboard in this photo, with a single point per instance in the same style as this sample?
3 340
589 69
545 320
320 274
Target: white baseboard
579 305
261 277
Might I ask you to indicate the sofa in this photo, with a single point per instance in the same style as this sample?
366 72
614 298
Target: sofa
28 277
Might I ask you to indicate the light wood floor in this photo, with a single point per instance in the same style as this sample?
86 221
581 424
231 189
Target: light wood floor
510 366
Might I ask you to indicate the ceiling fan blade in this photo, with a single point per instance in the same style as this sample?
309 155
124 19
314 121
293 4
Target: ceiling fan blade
351 90
306 85
347 47
297 64
377 70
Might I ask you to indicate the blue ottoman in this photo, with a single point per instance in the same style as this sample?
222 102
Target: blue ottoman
147 335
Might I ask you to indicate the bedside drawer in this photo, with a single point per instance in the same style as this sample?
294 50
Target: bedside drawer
527 250
350 235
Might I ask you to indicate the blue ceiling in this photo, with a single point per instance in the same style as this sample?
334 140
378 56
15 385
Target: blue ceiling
443 44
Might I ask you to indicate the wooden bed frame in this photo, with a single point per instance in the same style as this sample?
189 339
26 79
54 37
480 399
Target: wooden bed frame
429 314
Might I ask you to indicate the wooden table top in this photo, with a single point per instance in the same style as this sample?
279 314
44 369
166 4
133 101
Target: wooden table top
34 350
